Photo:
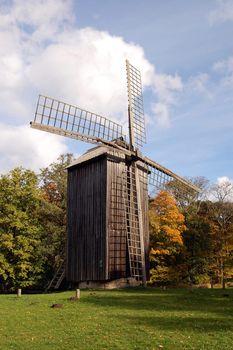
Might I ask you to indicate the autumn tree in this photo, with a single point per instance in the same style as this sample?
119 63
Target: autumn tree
221 217
166 227
20 261
197 239
53 180
52 211
208 238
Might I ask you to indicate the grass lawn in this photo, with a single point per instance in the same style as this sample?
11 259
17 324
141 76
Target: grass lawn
126 319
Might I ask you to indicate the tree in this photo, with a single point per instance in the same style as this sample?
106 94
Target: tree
220 212
20 263
198 243
221 215
222 192
53 180
52 212
186 198
166 227
32 224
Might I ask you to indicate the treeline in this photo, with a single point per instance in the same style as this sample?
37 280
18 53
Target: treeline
191 239
32 225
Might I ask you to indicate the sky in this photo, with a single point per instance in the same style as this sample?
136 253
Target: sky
75 51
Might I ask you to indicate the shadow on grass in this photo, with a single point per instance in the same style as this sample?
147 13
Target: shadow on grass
199 311
209 303
180 324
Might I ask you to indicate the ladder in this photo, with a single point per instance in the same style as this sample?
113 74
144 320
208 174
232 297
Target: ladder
134 224
57 278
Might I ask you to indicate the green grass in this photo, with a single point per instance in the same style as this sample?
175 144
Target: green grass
128 319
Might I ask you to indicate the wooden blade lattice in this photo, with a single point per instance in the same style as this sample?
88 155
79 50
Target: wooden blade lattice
136 110
67 120
126 217
157 178
133 223
117 230
162 178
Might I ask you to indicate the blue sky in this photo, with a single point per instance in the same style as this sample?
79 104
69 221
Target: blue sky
75 51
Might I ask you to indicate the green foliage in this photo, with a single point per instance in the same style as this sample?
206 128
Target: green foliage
52 213
32 224
53 180
19 229
198 243
191 239
220 215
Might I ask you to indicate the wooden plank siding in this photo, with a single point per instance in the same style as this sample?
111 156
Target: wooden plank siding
116 226
96 238
86 241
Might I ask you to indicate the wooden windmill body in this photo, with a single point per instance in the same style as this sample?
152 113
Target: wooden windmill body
107 233
97 245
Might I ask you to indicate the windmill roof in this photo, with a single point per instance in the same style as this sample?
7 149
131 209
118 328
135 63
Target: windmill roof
95 153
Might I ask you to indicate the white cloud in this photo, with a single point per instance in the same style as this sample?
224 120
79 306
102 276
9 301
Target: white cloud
225 67
38 20
161 114
42 51
224 179
22 146
223 13
165 86
24 29
199 84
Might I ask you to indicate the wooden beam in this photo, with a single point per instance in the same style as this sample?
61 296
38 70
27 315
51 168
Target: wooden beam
140 221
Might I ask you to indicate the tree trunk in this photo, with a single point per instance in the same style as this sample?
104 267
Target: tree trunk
222 274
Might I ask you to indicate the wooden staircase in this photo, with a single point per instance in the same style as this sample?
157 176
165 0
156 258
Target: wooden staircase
57 279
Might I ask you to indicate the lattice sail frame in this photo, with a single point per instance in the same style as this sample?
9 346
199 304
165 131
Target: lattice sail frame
67 120
117 227
137 130
160 178
126 207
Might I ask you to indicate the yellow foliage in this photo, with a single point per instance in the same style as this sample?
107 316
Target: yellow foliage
166 221
159 251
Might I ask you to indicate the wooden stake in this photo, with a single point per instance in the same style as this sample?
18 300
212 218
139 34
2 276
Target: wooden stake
19 292
77 293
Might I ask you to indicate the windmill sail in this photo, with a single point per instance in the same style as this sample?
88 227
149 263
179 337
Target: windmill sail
159 177
136 111
126 220
135 226
63 119
137 137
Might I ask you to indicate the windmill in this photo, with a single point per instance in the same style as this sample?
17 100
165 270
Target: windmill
107 189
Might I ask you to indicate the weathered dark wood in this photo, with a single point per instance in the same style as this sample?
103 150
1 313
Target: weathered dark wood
87 221
97 240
